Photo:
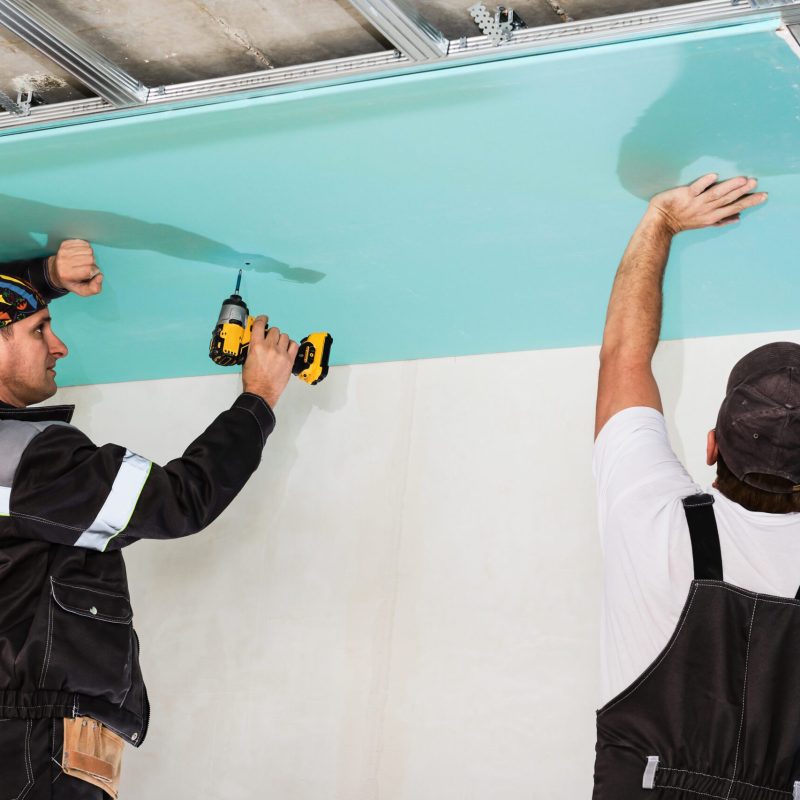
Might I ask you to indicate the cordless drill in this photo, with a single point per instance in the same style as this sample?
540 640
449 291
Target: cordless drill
231 339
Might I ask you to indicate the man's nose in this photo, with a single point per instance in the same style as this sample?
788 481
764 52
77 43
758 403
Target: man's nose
57 348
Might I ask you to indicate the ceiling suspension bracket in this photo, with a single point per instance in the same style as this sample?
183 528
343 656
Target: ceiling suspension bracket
498 26
72 54
22 107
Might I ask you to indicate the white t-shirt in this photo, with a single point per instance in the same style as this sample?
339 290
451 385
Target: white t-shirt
647 552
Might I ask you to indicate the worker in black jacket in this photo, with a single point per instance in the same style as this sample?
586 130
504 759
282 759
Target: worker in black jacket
71 691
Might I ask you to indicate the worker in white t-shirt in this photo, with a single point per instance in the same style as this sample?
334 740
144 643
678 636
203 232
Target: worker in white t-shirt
701 616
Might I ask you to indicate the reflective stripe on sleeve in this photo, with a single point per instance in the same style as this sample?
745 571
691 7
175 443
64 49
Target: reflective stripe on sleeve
119 506
5 501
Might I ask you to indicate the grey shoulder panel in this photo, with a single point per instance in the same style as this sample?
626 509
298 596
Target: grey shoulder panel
15 436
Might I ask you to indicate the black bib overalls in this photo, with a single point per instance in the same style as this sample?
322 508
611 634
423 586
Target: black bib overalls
717 714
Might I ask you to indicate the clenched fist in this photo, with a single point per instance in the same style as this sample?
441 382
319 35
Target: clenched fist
73 268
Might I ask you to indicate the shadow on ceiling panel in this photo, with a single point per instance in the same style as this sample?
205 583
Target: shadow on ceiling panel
174 41
23 66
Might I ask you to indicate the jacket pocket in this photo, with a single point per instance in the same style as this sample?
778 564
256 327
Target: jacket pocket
89 642
16 775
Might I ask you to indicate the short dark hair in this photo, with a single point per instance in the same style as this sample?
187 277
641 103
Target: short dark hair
778 502
7 331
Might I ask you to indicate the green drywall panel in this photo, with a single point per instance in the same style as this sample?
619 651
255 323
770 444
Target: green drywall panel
469 210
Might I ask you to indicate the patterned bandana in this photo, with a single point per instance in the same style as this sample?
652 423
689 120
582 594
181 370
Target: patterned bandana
17 300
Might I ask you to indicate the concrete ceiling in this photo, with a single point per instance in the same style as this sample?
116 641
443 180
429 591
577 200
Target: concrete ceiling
163 42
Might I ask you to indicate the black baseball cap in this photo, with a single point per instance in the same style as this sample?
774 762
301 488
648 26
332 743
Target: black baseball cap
758 427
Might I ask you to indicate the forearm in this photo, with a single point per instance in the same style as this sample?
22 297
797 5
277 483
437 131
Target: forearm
71 269
188 493
67 491
633 320
37 273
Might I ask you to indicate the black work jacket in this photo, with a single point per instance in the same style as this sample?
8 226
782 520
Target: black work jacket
67 508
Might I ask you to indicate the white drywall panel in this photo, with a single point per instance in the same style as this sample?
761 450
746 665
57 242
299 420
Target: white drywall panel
403 603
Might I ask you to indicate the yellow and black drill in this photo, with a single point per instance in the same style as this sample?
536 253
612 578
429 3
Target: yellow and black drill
231 338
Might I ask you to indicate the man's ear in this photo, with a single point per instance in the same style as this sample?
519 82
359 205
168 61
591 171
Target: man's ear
712 451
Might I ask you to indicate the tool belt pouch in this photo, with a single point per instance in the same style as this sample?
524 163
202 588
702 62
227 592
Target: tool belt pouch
92 753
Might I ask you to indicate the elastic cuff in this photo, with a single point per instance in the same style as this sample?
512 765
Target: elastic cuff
259 408
34 272
53 290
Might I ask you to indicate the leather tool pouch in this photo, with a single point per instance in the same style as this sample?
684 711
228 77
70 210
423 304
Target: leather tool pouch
92 753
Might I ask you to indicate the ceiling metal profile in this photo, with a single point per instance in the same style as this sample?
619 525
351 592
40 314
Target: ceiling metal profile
405 28
529 41
72 54
253 83
233 87
627 27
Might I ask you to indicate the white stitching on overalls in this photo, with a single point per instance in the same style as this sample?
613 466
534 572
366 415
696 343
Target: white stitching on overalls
657 664
721 778
693 791
89 589
709 585
20 515
53 753
49 646
28 765
744 691
764 598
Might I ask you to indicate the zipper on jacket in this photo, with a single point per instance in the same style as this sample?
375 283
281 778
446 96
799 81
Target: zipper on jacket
146 716
146 722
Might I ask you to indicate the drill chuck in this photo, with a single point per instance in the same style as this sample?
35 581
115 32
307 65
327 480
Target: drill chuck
226 341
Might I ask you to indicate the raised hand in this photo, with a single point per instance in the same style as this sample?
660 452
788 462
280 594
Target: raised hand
706 203
73 268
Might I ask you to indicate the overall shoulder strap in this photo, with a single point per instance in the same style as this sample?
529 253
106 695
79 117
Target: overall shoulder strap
699 509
